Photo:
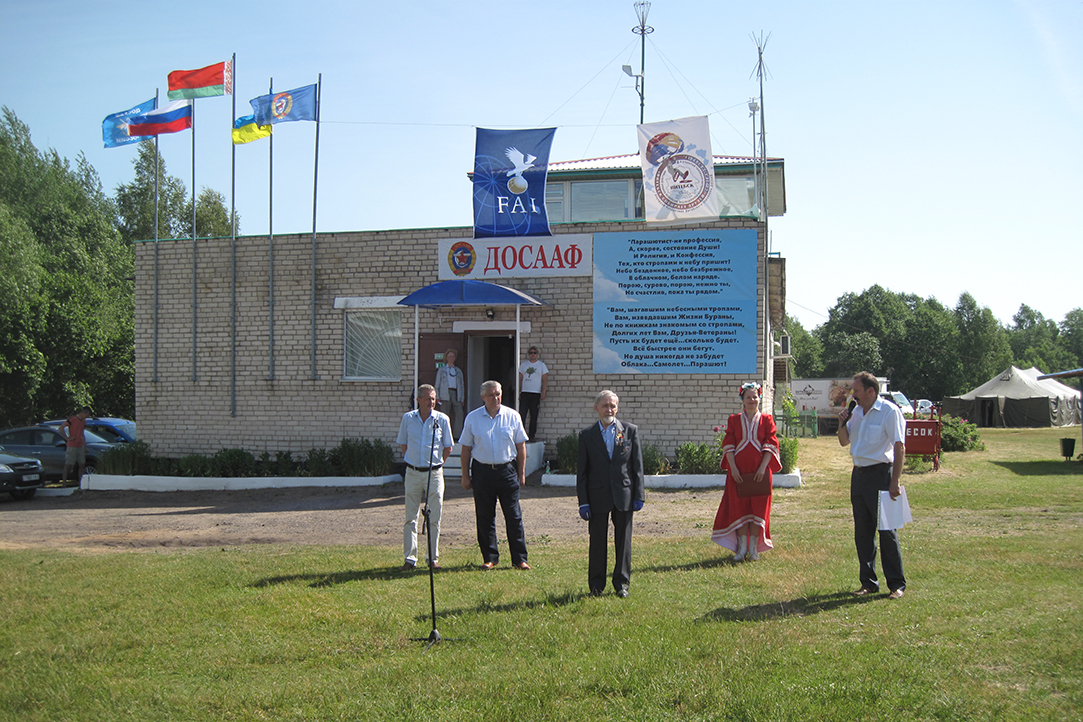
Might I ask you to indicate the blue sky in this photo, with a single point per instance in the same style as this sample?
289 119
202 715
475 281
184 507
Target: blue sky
933 147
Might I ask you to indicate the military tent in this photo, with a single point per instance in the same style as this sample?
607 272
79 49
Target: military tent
1017 398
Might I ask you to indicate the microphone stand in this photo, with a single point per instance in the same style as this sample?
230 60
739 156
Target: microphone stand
434 636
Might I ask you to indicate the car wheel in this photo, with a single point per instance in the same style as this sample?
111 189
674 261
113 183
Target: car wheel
91 467
21 494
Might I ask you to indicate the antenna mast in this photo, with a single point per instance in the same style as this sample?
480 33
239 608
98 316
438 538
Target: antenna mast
642 7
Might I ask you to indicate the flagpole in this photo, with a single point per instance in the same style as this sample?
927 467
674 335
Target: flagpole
271 248
233 249
156 246
315 177
195 265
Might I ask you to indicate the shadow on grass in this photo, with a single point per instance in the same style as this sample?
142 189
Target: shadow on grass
800 607
712 563
549 600
320 580
1041 468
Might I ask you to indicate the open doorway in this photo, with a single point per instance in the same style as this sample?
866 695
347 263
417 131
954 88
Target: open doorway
490 358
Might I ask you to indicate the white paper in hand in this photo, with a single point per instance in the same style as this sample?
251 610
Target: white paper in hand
894 512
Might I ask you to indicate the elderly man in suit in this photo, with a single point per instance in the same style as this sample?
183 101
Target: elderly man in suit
609 482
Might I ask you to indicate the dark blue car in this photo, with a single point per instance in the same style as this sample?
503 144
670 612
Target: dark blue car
115 431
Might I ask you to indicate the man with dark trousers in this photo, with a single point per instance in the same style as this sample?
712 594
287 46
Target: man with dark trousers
493 460
609 482
875 431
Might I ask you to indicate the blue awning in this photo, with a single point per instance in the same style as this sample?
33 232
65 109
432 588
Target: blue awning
469 293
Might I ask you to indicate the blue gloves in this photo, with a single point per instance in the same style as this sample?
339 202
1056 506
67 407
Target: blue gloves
584 512
637 505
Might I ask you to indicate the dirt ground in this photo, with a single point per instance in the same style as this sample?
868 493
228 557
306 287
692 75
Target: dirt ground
127 520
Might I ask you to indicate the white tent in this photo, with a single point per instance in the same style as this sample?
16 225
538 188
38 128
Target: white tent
1017 398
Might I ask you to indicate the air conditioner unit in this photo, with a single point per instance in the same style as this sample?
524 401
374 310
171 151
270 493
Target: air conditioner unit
784 343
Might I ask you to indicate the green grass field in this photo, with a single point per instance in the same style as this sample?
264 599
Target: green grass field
989 628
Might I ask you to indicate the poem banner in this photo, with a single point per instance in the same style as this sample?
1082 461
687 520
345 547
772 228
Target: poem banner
676 302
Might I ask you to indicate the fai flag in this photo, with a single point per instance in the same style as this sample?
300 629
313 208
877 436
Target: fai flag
297 104
678 170
170 118
510 167
245 130
206 82
115 126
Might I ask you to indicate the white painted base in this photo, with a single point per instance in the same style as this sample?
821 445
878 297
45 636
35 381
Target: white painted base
113 482
683 481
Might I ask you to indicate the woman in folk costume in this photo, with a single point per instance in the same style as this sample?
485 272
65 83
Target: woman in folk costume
749 453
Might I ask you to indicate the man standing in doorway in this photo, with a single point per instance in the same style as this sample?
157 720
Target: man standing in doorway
609 482
876 433
494 466
425 436
75 455
533 385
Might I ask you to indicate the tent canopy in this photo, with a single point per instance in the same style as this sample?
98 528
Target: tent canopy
468 293
1018 398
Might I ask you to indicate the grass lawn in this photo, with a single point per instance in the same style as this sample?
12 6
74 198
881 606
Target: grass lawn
989 628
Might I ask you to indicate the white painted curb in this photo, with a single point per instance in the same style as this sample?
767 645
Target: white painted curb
116 482
682 481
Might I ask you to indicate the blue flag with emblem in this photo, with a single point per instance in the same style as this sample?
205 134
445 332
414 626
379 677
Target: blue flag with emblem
289 105
115 126
510 168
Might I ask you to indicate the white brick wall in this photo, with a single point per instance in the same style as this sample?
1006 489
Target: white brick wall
178 415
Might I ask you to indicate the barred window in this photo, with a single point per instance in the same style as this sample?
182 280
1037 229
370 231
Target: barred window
373 345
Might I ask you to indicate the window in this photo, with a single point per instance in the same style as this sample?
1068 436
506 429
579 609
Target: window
554 202
373 345
600 201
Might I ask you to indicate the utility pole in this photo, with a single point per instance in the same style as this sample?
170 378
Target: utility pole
642 7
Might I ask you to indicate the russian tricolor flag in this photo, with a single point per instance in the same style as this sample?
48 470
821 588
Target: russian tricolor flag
170 118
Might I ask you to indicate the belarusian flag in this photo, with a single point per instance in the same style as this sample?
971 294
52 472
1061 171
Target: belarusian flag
206 82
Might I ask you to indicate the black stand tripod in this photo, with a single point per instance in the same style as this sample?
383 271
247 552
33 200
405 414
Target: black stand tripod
434 635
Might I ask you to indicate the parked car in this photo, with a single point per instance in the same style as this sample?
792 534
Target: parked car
925 406
20 477
48 445
899 399
115 431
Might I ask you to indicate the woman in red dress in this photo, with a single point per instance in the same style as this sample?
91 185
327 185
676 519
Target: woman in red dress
749 452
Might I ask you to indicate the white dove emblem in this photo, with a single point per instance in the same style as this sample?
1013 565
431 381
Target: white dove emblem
520 162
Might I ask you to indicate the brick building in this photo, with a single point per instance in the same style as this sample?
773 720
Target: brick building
298 343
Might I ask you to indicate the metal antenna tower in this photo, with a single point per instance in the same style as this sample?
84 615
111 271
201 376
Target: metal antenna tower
642 7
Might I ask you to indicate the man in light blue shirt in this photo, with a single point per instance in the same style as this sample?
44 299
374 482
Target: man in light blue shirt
494 466
426 440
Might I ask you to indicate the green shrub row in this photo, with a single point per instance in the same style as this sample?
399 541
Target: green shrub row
959 435
352 457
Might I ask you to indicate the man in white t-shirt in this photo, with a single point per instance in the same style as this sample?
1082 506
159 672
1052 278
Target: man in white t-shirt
533 385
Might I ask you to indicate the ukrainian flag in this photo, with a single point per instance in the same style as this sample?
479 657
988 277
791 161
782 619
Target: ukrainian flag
245 130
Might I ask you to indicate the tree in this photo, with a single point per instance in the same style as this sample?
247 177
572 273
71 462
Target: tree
983 348
930 367
853 352
72 322
212 218
806 349
1035 341
135 200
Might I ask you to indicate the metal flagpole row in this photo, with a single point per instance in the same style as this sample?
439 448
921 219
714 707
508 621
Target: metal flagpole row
233 253
195 263
315 179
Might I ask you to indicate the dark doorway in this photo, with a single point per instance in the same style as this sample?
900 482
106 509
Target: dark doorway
492 358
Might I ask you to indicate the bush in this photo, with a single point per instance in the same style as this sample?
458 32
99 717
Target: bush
194 465
232 464
281 465
568 453
362 457
959 435
787 452
127 459
653 461
697 459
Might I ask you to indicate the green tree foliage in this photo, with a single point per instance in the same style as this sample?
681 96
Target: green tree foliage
807 351
72 325
212 218
1035 341
135 200
983 347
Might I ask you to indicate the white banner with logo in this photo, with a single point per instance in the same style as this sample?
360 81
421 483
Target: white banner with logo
678 170
569 254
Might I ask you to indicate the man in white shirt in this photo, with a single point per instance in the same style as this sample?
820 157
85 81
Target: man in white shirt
494 466
425 437
533 385
876 433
